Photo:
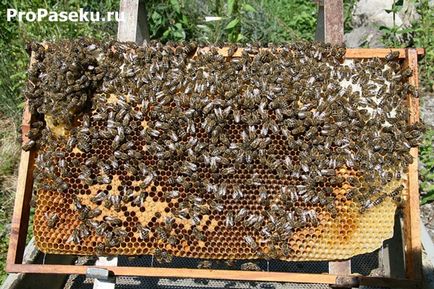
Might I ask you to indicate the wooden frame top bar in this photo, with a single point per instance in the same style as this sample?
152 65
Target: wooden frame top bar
352 53
379 52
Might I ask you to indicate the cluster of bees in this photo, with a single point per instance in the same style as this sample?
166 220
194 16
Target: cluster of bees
255 142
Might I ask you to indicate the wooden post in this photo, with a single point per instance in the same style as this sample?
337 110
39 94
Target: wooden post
412 244
341 268
330 29
330 22
133 26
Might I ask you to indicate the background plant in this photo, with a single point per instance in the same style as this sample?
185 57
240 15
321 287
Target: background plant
427 167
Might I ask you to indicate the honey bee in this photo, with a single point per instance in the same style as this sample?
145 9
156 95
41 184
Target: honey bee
406 73
77 203
29 145
229 263
216 206
396 192
285 249
120 233
351 194
237 193
162 256
52 219
75 237
101 196
112 221
172 240
204 264
92 213
143 231
115 200
104 179
72 141
229 221
100 249
249 266
241 214
171 194
197 234
221 190
161 233
83 231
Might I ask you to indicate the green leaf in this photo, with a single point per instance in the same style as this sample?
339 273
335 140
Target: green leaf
406 30
382 27
399 3
240 37
248 8
184 20
166 33
231 4
232 24
156 18
175 6
427 198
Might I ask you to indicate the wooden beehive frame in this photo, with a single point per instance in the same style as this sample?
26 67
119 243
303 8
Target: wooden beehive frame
340 271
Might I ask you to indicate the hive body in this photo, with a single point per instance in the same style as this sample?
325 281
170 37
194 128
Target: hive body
290 153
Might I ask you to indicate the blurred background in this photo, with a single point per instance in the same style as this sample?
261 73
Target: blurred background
368 23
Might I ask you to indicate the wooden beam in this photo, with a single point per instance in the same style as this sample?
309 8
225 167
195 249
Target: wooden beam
133 26
351 53
333 21
217 274
319 33
412 244
342 268
378 52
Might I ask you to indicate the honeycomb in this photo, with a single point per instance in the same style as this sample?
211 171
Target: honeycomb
291 152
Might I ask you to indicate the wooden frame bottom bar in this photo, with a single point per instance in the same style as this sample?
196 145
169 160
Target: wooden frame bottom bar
160 272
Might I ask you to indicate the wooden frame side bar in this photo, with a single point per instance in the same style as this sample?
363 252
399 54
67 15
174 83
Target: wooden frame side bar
20 218
412 243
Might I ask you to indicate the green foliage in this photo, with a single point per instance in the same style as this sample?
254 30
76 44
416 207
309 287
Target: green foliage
234 20
167 20
296 19
348 10
427 170
393 36
424 37
419 34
